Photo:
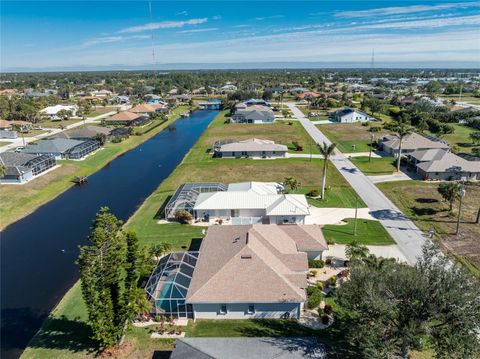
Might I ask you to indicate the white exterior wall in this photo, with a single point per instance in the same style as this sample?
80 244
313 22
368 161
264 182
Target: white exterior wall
287 219
24 178
227 213
353 117
447 176
240 310
233 154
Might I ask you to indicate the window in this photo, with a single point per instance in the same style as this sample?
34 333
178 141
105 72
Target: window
223 309
251 309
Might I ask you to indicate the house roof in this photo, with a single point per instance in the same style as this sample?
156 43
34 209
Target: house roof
86 132
146 108
124 116
274 204
308 94
253 144
15 159
240 348
249 264
428 155
414 141
261 188
450 162
56 145
53 110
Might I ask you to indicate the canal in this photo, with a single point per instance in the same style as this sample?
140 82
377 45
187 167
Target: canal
38 252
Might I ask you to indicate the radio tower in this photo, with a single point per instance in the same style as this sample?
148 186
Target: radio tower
151 36
373 59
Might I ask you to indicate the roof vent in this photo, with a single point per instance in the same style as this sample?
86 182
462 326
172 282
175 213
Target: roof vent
246 256
246 240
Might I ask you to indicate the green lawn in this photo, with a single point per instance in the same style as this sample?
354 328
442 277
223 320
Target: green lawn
57 124
375 167
351 137
369 232
18 201
2 143
459 140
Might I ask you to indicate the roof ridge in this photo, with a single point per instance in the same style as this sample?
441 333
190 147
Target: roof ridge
195 348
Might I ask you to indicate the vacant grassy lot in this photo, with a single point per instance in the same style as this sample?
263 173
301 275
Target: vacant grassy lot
2 143
351 137
369 232
18 201
467 97
58 124
459 140
421 202
375 167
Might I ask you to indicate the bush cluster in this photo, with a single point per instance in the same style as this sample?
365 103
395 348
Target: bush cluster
313 193
183 216
316 263
315 296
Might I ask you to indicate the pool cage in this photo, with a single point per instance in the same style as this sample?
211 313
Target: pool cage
186 195
168 285
83 149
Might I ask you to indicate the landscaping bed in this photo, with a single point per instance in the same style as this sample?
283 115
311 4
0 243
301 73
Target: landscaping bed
369 232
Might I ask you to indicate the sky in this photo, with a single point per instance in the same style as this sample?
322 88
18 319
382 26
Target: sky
40 35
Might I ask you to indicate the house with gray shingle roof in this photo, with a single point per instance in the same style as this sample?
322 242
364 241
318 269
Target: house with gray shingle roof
253 147
23 167
410 143
63 148
440 164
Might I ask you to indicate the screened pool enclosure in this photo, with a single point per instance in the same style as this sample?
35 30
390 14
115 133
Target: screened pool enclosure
186 195
168 285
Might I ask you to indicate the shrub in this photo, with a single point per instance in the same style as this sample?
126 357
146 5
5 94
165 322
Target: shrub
313 193
311 290
183 216
314 297
327 309
319 284
316 263
331 242
328 261
325 319
332 280
117 139
297 145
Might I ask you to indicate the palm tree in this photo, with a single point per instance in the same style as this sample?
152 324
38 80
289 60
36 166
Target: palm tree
291 183
326 151
450 191
354 250
377 263
140 304
159 249
401 129
3 171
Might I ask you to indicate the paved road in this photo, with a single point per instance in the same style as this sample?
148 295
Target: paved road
406 234
19 141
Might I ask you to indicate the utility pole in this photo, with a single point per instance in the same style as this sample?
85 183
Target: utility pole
462 194
356 216
371 147
478 216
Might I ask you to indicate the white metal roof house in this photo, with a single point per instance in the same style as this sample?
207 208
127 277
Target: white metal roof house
253 147
349 115
253 114
239 272
53 111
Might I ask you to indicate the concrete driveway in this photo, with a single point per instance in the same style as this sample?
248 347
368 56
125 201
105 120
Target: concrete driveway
406 234
335 215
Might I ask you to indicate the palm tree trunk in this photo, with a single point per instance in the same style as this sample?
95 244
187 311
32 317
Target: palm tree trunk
399 154
324 179
405 348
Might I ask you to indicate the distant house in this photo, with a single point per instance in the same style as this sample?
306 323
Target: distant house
121 100
410 143
439 164
298 89
23 167
62 148
253 114
241 348
101 93
252 147
52 112
349 115
256 101
176 99
228 88
146 109
84 133
239 272
212 104
307 94
127 118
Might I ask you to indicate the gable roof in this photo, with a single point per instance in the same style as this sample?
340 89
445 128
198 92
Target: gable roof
15 158
261 188
450 162
85 132
248 263
428 155
274 204
124 116
253 144
414 141
146 108
240 348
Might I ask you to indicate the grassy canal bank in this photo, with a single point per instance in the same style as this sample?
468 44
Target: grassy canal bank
65 333
17 201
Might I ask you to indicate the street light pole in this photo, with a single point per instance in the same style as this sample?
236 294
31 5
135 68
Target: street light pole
462 194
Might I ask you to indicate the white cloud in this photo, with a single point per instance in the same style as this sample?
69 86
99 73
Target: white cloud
427 23
184 13
199 30
269 17
110 39
163 25
241 26
406 9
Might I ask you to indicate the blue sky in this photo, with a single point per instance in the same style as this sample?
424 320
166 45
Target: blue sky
40 34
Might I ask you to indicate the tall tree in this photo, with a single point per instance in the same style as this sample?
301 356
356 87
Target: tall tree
326 151
450 191
402 129
395 306
105 287
291 183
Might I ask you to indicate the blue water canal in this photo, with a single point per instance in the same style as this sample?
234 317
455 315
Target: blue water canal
38 252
